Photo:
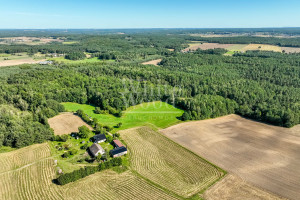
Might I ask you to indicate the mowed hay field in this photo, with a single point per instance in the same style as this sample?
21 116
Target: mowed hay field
66 123
233 187
205 46
266 156
29 175
167 164
261 47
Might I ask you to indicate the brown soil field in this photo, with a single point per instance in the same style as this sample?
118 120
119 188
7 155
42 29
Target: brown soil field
232 187
153 62
66 123
29 40
263 155
6 63
205 46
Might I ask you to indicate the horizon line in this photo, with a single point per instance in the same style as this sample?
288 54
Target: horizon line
146 28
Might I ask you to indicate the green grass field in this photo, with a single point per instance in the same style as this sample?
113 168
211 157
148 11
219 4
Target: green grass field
87 60
157 113
18 56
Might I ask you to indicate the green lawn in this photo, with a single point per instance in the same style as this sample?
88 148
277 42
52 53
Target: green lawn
157 113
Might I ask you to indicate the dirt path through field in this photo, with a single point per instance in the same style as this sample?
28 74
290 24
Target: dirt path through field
263 155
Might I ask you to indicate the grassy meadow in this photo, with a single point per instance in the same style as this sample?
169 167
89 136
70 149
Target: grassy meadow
158 114
86 60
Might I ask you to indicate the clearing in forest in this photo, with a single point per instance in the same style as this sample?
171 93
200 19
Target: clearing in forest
153 62
66 123
263 155
157 113
167 164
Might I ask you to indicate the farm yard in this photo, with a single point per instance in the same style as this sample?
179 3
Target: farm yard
167 164
263 155
34 169
66 123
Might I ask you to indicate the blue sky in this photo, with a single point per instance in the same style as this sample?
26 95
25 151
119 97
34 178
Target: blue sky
148 14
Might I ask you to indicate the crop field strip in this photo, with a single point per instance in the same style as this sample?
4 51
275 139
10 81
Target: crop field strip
167 164
110 185
33 180
22 157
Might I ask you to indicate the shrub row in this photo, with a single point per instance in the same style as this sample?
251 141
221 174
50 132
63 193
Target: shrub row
86 171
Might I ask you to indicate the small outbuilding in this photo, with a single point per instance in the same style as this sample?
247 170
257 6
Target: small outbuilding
96 149
120 151
118 143
99 138
48 62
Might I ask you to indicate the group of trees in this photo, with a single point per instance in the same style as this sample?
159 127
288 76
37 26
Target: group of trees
86 171
75 56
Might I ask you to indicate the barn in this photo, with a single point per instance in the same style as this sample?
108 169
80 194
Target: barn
118 151
96 149
118 143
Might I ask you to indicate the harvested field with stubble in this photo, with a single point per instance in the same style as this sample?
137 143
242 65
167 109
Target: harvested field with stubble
261 47
266 156
153 62
66 123
29 176
206 46
167 164
291 49
232 187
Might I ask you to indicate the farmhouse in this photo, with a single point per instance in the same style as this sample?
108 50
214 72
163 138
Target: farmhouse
118 151
117 143
99 138
95 149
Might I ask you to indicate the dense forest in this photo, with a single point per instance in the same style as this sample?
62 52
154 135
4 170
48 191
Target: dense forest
264 86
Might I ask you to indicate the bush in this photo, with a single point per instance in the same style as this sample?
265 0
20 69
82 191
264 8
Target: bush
84 132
